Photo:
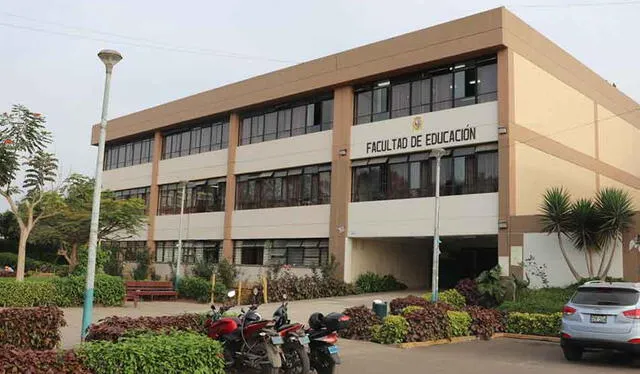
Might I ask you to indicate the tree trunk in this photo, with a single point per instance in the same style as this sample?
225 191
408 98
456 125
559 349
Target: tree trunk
602 261
566 258
586 260
73 259
613 252
591 262
22 253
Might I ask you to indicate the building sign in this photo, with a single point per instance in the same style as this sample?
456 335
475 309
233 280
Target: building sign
451 128
420 141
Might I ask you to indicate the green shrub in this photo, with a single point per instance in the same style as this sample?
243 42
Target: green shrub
114 327
371 282
227 273
102 257
31 328
411 309
397 305
175 352
203 270
451 297
491 287
362 319
543 300
143 263
460 323
392 331
27 293
306 287
534 323
195 288
11 259
62 292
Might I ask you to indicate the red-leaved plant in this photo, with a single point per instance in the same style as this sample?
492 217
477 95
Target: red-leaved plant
31 328
14 360
113 328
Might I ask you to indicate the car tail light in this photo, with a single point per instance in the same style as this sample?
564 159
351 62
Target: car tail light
568 311
331 338
634 314
344 318
634 341
565 336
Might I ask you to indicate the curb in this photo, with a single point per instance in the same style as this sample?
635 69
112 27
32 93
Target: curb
430 343
464 339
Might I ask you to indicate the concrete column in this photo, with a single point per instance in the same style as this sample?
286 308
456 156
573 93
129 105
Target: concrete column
343 104
153 193
230 193
506 157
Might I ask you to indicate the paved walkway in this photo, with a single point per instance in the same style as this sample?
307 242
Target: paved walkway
298 310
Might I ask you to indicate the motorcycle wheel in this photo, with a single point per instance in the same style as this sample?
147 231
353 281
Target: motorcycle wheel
297 359
328 370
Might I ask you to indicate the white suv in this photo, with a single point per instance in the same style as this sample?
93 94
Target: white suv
602 315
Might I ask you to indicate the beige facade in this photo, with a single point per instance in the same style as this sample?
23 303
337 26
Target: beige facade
555 122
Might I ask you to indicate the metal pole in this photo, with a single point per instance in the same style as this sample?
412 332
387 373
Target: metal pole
435 271
179 261
87 310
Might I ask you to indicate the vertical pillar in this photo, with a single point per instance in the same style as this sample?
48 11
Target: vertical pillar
341 176
230 192
506 158
153 193
631 257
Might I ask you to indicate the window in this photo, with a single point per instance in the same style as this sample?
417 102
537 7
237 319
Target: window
140 193
204 137
193 251
296 119
200 197
446 87
128 154
294 252
466 170
127 250
310 185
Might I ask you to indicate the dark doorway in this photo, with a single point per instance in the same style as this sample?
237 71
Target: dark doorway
466 257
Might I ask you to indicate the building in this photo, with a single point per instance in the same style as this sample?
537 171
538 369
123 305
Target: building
331 156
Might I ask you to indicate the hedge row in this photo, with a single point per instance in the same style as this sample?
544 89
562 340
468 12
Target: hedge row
62 292
114 328
33 328
534 323
14 360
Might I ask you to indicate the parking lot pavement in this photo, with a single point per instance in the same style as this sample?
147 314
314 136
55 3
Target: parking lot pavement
492 357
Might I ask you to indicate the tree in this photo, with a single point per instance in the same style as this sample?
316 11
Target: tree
69 230
24 137
593 225
9 228
556 219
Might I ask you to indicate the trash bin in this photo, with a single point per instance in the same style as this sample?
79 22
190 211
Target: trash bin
379 307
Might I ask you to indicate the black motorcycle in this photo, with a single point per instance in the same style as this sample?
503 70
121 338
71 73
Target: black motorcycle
323 334
296 342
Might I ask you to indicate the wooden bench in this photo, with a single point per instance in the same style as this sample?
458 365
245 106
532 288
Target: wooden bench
138 289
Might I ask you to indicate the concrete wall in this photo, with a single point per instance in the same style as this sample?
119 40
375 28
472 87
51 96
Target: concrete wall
281 223
194 167
129 177
459 215
203 226
409 263
546 251
284 153
619 142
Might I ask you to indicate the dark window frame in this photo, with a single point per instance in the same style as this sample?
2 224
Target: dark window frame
202 136
170 199
193 251
364 96
303 253
125 154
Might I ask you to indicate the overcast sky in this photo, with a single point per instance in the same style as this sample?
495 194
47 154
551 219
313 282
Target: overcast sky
48 48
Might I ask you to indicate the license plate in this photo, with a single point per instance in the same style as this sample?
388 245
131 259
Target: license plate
597 318
304 340
277 340
333 349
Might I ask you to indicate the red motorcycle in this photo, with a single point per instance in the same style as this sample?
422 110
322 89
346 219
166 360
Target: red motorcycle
249 341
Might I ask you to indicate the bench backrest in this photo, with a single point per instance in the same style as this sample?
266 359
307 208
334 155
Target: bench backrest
153 285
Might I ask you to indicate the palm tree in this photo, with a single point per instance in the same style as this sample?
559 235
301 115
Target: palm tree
556 219
615 213
584 230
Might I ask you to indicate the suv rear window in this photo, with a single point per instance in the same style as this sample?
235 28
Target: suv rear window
605 296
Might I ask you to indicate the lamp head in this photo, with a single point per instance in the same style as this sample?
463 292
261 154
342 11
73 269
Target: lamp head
438 152
110 58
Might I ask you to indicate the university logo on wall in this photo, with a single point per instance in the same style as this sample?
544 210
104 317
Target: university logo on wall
417 123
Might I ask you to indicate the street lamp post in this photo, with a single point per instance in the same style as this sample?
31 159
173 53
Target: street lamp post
179 260
435 271
110 58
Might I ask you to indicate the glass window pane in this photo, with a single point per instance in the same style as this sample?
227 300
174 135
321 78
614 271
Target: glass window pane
298 120
129 157
270 126
245 131
257 129
327 114
284 123
216 137
421 96
205 139
175 145
225 135
400 100
137 152
121 156
459 170
195 141
324 188
487 79
414 179
398 181
364 107
487 172
465 87
380 107
441 91
184 143
313 123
